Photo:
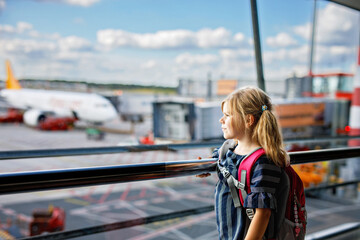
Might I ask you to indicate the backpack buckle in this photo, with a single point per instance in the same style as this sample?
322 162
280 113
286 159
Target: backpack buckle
250 213
241 185
226 174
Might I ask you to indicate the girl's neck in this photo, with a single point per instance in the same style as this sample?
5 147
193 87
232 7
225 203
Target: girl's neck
245 147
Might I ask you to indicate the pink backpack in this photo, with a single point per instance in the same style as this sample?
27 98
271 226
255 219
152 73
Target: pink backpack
292 216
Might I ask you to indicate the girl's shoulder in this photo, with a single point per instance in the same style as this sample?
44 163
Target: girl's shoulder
265 163
215 153
264 159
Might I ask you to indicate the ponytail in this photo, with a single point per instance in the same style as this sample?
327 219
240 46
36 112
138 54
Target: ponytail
267 133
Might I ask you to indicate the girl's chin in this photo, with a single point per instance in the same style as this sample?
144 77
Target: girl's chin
225 136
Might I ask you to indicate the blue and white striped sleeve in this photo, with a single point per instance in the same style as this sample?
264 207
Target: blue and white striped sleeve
264 181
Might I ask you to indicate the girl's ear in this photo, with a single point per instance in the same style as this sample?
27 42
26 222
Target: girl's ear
250 119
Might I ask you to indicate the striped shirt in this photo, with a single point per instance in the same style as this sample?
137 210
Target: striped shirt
265 178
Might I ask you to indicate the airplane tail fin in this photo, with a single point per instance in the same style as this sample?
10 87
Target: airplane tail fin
11 81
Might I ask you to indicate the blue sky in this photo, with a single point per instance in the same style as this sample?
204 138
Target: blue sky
159 41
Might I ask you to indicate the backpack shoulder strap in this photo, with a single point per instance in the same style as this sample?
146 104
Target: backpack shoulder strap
244 172
236 186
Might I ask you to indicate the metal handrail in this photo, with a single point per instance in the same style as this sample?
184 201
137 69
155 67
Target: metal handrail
323 155
43 153
65 178
334 231
62 152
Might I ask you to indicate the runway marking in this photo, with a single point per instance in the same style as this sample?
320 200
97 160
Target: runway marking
77 201
88 196
187 222
126 192
142 193
106 195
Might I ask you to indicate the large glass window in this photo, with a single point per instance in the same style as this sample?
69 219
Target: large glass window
346 83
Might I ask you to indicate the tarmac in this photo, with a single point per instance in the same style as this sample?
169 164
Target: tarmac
97 205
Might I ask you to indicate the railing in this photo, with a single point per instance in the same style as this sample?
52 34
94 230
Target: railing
57 179
80 177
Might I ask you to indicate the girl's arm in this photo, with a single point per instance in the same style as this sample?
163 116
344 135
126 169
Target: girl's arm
258 224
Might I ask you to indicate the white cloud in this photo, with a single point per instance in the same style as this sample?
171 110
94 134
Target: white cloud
2 4
334 55
281 40
72 56
7 29
238 54
187 59
74 43
24 29
28 44
83 3
335 25
294 56
303 31
204 38
30 48
207 38
283 72
23 26
149 64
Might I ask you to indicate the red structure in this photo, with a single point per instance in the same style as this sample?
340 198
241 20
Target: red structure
47 220
355 107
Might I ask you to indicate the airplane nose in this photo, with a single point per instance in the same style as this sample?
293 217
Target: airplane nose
2 96
112 113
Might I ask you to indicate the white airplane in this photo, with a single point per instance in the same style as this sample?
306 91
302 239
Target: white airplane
38 104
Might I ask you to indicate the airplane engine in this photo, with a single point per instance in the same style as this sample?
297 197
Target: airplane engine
33 117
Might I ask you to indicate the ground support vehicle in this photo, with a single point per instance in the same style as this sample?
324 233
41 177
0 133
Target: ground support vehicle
47 220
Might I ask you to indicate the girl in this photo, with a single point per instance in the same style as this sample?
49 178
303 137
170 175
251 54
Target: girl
248 123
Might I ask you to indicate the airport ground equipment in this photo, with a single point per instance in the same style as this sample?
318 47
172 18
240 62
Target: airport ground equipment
57 123
94 133
11 116
47 221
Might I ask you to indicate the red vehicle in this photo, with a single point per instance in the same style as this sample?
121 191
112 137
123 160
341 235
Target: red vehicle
13 115
55 124
47 220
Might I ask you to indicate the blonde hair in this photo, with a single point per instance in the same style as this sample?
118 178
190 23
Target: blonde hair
265 130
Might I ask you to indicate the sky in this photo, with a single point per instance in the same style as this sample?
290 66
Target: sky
157 42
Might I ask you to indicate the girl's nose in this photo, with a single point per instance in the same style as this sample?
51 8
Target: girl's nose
221 120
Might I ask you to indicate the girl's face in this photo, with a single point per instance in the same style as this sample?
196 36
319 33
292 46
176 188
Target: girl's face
230 131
